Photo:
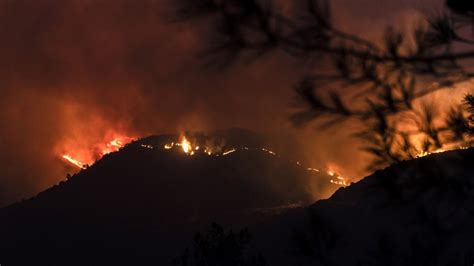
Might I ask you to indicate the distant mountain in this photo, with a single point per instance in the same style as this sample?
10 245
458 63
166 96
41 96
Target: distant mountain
144 202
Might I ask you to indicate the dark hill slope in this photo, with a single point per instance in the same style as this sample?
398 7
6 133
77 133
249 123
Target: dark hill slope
140 204
418 212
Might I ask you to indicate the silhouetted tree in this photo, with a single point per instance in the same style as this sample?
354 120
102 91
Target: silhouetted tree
386 80
218 248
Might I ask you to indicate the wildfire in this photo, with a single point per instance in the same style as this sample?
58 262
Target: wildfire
341 181
81 158
338 179
186 145
189 148
425 153
73 161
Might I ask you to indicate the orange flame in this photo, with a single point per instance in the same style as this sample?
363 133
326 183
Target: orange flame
425 153
73 161
186 145
336 178
82 157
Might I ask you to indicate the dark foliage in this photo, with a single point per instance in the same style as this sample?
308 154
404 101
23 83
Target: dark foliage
353 78
461 7
218 248
318 242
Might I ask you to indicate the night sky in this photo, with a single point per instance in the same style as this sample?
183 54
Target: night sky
73 72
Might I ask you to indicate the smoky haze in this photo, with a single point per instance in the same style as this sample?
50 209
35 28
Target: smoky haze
75 71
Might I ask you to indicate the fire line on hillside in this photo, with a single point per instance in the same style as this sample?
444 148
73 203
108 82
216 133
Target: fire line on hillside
190 149
186 146
81 160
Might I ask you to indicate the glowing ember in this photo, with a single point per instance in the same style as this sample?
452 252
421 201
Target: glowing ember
147 146
228 152
208 152
269 151
169 146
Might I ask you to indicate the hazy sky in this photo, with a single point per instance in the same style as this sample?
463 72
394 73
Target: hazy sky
73 71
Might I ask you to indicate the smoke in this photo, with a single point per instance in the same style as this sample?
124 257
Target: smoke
74 72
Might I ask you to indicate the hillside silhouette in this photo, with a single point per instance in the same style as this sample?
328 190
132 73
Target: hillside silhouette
142 203
417 212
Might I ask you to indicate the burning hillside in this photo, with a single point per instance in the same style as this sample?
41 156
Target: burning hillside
157 185
191 149
87 156
195 143
82 158
152 188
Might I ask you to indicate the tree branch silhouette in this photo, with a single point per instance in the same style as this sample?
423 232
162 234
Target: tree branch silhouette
386 78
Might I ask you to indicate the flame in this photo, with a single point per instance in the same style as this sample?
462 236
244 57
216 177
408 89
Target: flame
334 172
340 182
115 143
73 161
189 148
338 179
186 145
192 148
82 157
425 153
